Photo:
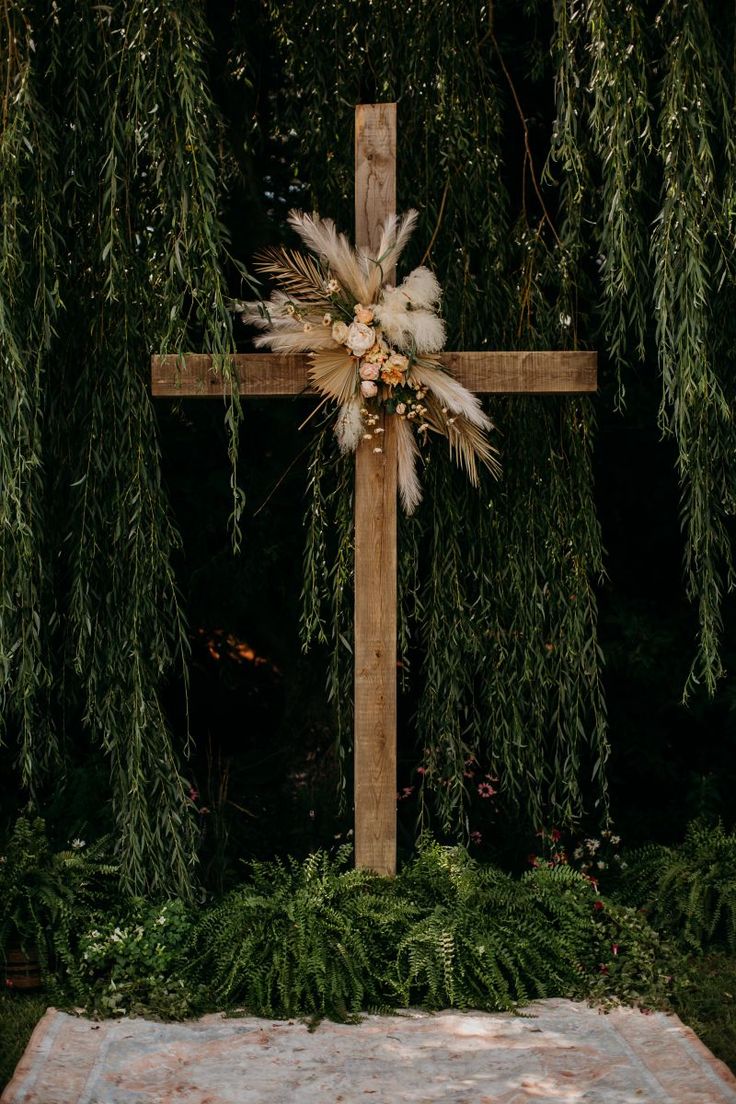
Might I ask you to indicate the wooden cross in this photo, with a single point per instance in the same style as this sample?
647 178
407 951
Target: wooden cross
376 484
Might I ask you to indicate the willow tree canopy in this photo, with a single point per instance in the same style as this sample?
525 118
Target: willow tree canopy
604 216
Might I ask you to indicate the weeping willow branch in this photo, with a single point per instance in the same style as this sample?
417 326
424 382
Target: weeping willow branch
29 302
622 138
691 249
473 564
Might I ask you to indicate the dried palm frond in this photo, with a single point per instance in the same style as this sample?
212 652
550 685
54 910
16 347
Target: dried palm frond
345 265
468 442
298 274
333 374
410 489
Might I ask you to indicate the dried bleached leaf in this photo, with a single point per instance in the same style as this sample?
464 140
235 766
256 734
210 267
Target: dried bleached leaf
334 375
298 274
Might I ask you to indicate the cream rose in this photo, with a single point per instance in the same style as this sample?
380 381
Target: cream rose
339 333
368 389
369 371
363 314
360 338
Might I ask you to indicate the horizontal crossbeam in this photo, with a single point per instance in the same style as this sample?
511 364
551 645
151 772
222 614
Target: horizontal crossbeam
196 374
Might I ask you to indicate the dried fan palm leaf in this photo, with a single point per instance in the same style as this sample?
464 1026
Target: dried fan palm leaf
333 374
298 274
410 489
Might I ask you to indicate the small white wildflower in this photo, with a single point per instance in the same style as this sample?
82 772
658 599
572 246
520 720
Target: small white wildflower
401 408
78 844
332 286
378 450
615 840
367 436
379 429
601 865
327 320
289 308
161 919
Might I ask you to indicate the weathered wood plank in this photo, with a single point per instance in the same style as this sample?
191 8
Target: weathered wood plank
194 375
375 541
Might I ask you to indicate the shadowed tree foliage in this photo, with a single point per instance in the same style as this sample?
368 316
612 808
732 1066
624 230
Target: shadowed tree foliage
574 173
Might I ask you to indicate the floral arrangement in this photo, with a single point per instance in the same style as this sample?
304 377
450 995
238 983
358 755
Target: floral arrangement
373 346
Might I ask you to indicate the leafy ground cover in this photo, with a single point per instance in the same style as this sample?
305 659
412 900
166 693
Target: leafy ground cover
316 938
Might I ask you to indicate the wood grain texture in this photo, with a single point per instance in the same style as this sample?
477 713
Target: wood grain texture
194 375
375 652
375 541
375 171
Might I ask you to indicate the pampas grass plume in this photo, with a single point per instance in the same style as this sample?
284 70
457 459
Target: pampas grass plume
349 425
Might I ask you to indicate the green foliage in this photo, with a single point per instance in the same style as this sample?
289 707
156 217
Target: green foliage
691 250
306 938
689 891
47 895
497 587
19 1014
111 172
316 939
705 999
132 965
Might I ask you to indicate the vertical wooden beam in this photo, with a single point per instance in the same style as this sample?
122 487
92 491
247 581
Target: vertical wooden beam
375 541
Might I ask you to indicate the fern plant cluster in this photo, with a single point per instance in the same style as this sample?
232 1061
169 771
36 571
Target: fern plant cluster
47 896
688 892
316 938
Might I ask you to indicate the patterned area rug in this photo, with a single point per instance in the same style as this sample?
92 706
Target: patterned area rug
559 1052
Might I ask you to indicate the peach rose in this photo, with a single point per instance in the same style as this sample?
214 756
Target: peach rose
339 333
369 371
368 389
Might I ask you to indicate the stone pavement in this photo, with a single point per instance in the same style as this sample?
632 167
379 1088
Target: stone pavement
559 1052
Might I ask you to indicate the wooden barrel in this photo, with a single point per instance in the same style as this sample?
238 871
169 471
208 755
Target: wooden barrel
22 970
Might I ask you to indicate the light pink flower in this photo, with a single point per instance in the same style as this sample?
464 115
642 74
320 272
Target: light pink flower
369 371
368 389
